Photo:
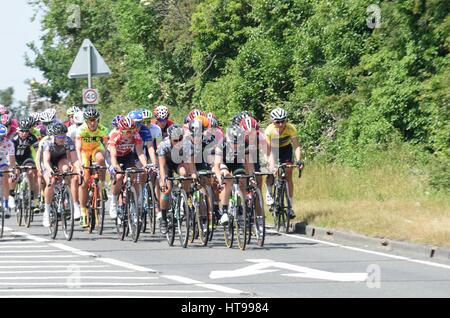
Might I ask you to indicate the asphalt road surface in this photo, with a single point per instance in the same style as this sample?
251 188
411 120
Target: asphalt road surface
33 265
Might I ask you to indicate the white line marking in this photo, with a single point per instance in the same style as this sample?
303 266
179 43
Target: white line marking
31 237
23 246
35 262
79 284
31 251
66 271
72 277
215 287
71 249
54 266
403 258
126 265
39 256
162 291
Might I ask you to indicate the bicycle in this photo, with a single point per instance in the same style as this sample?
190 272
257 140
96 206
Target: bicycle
200 222
62 206
23 198
96 200
237 213
179 212
282 204
2 210
128 212
253 201
149 205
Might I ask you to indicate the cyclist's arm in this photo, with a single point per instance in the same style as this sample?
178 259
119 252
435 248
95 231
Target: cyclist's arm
46 160
217 162
78 144
141 154
113 156
12 160
162 170
152 153
74 161
297 149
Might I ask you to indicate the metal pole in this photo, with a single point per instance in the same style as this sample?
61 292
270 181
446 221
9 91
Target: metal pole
89 67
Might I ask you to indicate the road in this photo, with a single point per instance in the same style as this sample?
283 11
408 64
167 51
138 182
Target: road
291 266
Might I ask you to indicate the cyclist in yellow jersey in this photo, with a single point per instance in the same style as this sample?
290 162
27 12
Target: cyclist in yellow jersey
282 142
90 137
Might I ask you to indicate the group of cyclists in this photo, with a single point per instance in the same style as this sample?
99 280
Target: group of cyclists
149 140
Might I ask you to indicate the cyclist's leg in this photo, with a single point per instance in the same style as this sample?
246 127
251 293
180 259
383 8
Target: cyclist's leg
286 157
164 199
4 183
48 193
82 190
224 196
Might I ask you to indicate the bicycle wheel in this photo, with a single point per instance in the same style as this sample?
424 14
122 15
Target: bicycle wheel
26 204
182 215
170 235
258 231
193 212
100 209
134 215
287 207
53 216
150 207
121 220
2 216
92 202
67 213
203 219
18 201
240 222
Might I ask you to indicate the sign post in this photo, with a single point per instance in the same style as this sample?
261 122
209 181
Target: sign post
87 64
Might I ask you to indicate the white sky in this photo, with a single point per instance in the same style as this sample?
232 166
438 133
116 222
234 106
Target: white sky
16 29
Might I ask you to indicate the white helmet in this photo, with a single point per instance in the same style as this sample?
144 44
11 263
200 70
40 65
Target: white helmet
78 117
278 114
48 115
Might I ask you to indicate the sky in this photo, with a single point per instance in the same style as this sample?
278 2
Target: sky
16 30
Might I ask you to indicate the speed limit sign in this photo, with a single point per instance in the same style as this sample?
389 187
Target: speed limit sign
90 96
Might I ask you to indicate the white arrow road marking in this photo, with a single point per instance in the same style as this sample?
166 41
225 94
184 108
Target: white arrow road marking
304 272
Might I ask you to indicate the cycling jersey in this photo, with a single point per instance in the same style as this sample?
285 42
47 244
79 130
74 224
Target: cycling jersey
280 140
57 152
124 143
6 150
175 156
164 130
24 148
91 140
12 128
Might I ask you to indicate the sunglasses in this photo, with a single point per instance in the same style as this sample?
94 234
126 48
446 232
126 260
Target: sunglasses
162 120
60 137
177 140
127 131
279 122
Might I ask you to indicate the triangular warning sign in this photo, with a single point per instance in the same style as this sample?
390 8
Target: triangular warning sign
80 67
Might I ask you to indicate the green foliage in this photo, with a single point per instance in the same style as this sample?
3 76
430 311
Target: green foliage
351 90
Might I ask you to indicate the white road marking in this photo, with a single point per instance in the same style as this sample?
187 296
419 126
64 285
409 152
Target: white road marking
71 249
66 271
214 287
23 246
53 266
31 251
31 237
403 258
126 265
39 256
141 291
78 284
81 276
35 262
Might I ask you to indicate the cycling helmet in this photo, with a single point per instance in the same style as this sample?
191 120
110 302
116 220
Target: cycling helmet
3 131
249 123
211 115
146 114
126 123
235 134
278 114
194 113
161 112
48 116
78 117
213 123
70 111
90 113
56 129
3 110
236 120
136 116
26 123
115 121
35 116
175 131
5 119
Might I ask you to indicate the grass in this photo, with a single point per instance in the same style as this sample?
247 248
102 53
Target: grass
387 198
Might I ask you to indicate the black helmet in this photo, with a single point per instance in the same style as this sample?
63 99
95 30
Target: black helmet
26 123
90 113
57 129
175 131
